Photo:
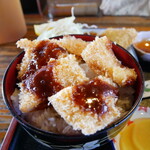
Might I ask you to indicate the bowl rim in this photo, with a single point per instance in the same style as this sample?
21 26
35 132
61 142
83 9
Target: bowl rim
108 128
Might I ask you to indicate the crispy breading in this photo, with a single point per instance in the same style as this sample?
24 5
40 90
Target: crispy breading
28 47
124 37
86 121
101 59
27 100
72 44
66 72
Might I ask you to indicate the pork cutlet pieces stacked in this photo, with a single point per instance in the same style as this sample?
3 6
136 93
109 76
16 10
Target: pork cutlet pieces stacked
85 104
89 106
101 59
49 69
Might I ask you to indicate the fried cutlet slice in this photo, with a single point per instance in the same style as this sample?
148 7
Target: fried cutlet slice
37 54
67 71
28 47
101 59
27 100
72 44
89 106
124 37
48 80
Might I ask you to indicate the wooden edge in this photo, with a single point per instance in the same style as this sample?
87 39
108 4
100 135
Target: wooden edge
9 134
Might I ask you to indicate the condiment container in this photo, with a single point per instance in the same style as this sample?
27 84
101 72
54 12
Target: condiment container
142 47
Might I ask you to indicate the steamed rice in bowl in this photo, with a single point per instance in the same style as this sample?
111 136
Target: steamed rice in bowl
46 119
49 118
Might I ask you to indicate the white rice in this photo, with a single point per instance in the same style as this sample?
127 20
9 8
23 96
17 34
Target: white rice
49 120
46 119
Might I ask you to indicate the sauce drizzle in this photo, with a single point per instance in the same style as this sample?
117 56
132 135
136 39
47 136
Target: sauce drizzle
38 78
88 95
42 53
42 82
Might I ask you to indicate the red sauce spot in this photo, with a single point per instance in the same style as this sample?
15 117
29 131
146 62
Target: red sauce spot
89 95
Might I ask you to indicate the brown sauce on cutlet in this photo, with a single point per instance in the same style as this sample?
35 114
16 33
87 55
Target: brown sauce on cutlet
42 53
42 82
88 95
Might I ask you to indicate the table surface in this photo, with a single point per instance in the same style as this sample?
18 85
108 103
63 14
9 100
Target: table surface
9 51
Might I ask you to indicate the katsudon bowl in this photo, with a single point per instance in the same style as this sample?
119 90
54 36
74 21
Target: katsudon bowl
59 141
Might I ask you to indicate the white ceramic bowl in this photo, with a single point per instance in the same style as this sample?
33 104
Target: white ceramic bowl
144 58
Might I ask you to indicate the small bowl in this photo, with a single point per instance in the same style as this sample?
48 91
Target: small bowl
144 57
57 141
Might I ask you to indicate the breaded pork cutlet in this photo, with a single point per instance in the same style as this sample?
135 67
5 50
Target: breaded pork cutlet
89 106
101 59
48 80
123 37
68 72
72 44
37 54
28 46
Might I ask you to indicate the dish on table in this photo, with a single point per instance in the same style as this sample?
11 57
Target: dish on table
122 36
141 45
74 140
136 133
30 97
142 42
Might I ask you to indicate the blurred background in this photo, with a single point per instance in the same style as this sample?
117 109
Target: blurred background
106 7
29 6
